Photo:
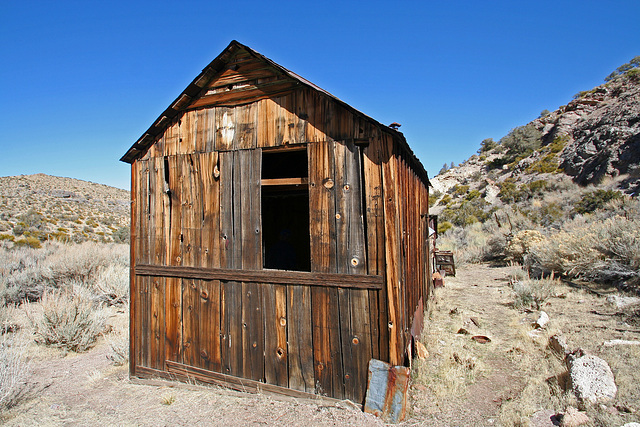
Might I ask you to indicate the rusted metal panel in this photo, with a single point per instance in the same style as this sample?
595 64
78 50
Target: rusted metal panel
387 391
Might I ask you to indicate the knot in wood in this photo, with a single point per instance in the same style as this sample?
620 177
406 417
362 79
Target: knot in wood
280 352
204 294
338 216
328 183
283 321
204 354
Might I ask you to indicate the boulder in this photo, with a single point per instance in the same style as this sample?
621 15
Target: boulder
573 418
558 343
591 379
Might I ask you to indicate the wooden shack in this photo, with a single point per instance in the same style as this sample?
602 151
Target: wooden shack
278 236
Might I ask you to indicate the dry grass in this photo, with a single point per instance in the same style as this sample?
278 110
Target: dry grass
118 341
454 362
14 369
605 250
26 273
67 321
532 293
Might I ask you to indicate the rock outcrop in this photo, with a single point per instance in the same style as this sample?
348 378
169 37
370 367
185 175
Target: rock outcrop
603 130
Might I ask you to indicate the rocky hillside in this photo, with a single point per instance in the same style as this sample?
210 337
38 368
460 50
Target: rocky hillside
593 140
40 207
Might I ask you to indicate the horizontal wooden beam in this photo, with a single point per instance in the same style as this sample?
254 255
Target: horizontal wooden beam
356 281
285 181
235 383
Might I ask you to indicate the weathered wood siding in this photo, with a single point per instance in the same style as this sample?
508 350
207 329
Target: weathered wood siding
196 219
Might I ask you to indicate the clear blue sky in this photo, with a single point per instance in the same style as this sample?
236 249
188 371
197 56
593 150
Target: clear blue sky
81 81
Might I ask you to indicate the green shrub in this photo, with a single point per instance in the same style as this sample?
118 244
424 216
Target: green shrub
446 199
530 293
521 142
630 69
596 200
487 145
473 194
459 190
121 235
443 226
29 241
468 212
509 191
547 164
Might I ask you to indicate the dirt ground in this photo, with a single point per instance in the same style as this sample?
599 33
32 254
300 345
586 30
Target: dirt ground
462 382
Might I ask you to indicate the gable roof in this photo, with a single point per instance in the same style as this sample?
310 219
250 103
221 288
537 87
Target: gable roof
197 90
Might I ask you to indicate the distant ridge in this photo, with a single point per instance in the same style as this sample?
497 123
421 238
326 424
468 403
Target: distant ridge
44 207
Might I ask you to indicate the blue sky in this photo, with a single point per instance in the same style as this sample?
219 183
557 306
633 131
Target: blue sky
81 81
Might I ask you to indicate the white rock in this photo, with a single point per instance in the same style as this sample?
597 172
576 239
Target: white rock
621 302
542 321
611 343
591 379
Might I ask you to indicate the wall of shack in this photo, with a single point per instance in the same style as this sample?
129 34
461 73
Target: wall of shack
196 210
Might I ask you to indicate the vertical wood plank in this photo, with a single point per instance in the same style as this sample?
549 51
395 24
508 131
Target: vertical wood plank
392 253
209 356
190 204
276 356
353 303
375 246
210 130
225 125
246 135
190 322
326 332
301 116
173 286
248 185
300 339
157 324
230 251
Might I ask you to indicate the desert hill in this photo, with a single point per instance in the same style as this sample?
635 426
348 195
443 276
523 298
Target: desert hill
594 141
41 207
558 194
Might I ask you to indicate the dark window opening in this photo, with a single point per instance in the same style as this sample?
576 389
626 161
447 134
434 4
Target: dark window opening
285 211
284 164
285 229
